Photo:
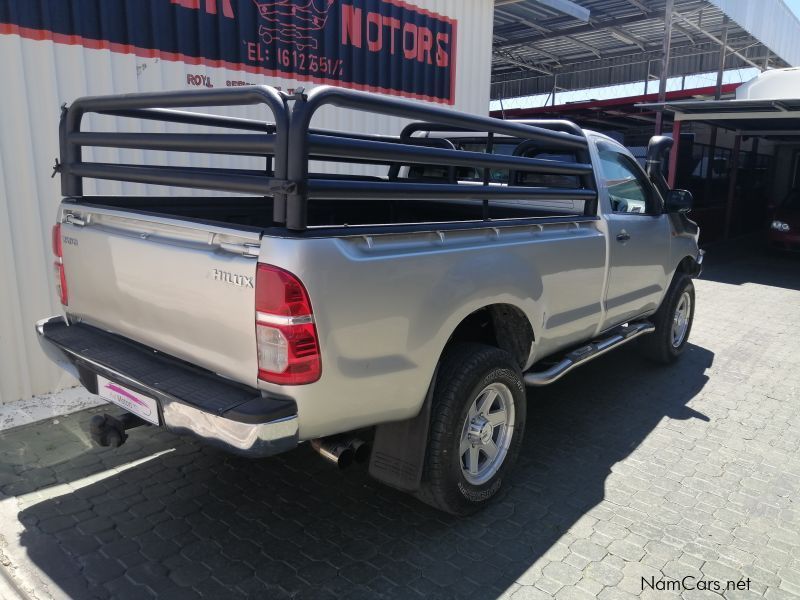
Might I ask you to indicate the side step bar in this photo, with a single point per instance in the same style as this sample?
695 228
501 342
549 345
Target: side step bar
621 335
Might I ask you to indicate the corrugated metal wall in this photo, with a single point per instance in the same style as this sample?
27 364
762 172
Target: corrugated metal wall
37 76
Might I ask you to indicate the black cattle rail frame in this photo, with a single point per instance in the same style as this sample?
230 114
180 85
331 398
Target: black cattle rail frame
289 143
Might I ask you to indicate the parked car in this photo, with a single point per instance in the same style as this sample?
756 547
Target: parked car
784 229
405 308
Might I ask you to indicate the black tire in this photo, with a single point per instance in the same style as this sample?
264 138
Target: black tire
658 346
465 371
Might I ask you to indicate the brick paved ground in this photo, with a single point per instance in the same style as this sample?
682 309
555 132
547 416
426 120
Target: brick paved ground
627 471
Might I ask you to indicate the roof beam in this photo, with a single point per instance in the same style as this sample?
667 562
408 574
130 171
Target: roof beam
571 65
534 26
546 54
627 38
594 26
504 29
640 6
507 57
685 32
731 116
711 36
603 120
584 45
627 115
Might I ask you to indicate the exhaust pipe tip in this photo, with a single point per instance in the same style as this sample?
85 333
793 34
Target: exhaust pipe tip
361 450
346 458
334 451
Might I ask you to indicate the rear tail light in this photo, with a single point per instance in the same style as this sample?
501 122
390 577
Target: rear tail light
60 275
58 249
286 337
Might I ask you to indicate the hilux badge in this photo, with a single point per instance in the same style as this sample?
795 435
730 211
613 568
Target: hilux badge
244 281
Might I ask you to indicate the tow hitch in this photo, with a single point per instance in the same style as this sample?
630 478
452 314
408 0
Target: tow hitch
110 431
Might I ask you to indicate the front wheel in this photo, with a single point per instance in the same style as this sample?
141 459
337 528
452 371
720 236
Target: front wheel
673 322
477 424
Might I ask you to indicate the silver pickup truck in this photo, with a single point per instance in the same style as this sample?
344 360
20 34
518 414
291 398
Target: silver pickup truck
393 316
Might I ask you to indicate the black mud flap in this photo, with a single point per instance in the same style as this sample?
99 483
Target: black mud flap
398 452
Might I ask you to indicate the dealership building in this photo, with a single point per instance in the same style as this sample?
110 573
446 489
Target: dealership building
629 68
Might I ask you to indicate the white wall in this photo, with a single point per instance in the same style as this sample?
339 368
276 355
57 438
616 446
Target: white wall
36 77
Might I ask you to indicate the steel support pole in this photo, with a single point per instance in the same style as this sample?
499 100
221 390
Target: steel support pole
723 51
729 206
673 154
662 84
712 143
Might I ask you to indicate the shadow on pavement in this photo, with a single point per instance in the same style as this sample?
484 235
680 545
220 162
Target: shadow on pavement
750 260
196 522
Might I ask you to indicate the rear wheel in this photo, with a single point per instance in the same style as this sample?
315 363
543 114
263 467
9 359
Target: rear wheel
477 423
673 322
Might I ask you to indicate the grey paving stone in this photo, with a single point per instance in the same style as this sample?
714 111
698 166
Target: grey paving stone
56 524
549 586
603 573
615 594
573 593
588 550
99 569
562 573
626 550
530 593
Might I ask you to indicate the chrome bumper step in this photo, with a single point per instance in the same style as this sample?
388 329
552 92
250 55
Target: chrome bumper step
617 337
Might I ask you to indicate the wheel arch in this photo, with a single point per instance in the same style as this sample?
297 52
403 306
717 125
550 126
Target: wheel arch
688 265
501 325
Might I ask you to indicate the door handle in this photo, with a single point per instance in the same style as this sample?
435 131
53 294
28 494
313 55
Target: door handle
623 236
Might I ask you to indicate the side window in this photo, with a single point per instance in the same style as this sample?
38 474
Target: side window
628 189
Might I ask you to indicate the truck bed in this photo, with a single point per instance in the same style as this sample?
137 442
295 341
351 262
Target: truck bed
256 212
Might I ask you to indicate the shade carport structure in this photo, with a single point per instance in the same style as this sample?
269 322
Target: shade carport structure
776 120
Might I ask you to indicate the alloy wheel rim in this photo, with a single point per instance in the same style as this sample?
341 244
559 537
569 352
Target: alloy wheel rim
680 320
486 433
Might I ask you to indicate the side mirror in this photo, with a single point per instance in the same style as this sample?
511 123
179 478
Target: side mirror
679 201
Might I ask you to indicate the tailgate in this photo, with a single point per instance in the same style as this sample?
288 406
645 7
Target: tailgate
184 288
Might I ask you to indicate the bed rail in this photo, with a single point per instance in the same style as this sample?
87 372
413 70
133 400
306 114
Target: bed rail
289 143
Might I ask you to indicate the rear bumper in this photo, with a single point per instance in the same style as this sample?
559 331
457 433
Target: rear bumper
191 400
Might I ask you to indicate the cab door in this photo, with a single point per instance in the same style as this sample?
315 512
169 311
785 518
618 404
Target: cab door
639 236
